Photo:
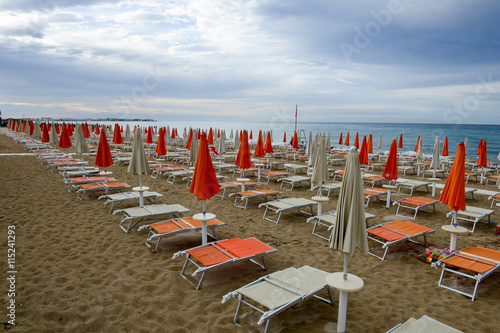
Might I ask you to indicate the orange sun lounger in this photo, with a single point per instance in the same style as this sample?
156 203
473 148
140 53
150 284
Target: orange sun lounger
476 263
391 233
176 226
216 254
415 203
71 182
228 186
111 186
373 192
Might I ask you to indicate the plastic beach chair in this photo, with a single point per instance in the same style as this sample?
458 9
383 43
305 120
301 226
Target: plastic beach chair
476 263
221 253
176 226
391 233
281 290
416 204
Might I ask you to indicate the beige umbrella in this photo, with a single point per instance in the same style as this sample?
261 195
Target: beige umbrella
435 157
53 138
320 172
37 133
81 145
349 231
313 152
466 144
221 146
236 139
193 151
420 154
127 132
138 163
379 146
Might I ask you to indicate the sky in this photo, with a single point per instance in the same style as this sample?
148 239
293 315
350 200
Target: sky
402 61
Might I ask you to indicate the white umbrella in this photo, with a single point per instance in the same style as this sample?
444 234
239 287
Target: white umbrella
53 139
231 134
138 163
81 145
313 151
127 132
236 140
380 146
420 154
221 146
37 133
27 128
320 172
435 156
349 230
193 151
309 144
466 144
328 143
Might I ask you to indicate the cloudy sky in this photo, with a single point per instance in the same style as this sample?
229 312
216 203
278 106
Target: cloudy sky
338 60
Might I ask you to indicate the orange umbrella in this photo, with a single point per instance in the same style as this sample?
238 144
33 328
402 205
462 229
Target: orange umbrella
259 149
295 141
190 139
347 139
161 149
204 184
363 153
416 147
243 160
117 137
391 166
103 158
483 157
268 147
480 146
149 138
370 144
284 137
251 135
173 134
453 193
400 144
445 147
64 140
210 138
45 135
356 141
340 140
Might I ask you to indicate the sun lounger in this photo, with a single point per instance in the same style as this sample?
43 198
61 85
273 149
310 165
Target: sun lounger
373 192
474 215
228 186
273 174
82 172
143 212
338 173
221 253
329 188
432 172
391 233
176 226
165 170
281 290
183 174
494 198
282 205
473 262
223 166
119 198
406 168
249 195
295 168
293 180
468 175
416 204
492 179
375 166
424 324
412 185
374 180
99 187
86 180
328 220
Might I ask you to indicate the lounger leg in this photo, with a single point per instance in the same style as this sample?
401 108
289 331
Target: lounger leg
238 308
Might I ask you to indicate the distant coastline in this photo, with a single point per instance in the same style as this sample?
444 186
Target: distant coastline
49 119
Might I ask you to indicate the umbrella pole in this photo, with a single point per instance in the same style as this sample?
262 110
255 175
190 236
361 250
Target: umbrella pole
342 316
141 193
346 260
204 228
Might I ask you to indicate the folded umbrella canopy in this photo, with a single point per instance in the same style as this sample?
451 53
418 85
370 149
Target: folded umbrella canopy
295 141
369 144
161 149
117 137
138 162
103 158
81 146
347 139
356 140
400 144
391 165
363 153
435 156
243 160
445 147
379 145
64 140
416 146
420 154
193 149
320 171
483 156
268 147
259 149
341 139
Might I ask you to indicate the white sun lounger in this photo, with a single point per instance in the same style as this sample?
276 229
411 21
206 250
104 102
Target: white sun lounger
143 212
474 215
282 205
281 290
221 253
296 168
293 180
412 185
476 263
249 195
119 198
406 168
424 324
176 226
180 173
329 188
328 220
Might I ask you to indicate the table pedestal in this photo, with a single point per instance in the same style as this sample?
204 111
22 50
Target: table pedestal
389 188
454 234
319 199
352 284
434 180
141 190
204 230
243 181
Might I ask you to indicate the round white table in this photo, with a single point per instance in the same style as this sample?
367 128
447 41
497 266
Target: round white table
243 181
259 165
141 190
454 230
319 199
352 284
389 188
204 218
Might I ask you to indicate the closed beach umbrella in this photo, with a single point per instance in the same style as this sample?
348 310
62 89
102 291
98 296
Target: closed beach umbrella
309 144
284 137
356 140
435 156
379 145
363 153
483 157
295 141
466 144
480 146
138 162
37 133
349 228
400 144
445 147
193 151
127 132
222 143
259 149
369 144
420 154
53 135
103 157
243 160
210 137
268 147
81 146
117 136
314 151
205 184
328 143
391 165
64 140
236 140
149 138
347 139
341 139
45 133
320 172
161 149
190 139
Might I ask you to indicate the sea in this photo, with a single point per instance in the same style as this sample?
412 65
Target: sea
389 131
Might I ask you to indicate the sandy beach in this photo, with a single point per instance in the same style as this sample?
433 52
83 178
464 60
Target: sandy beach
77 271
